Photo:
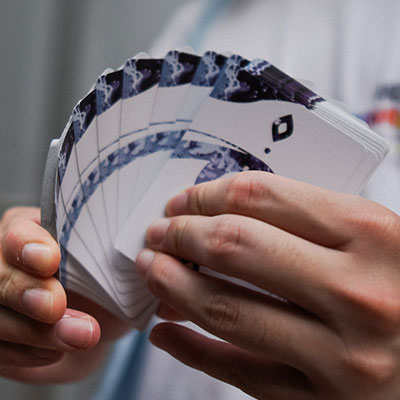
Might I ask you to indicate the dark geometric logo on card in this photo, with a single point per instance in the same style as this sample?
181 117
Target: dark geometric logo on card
282 128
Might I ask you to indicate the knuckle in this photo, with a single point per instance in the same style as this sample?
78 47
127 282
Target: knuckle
375 221
376 300
225 239
178 233
236 375
12 241
239 372
9 214
8 286
18 355
7 353
387 231
197 199
30 332
11 237
244 191
384 309
16 213
369 369
385 225
159 277
222 312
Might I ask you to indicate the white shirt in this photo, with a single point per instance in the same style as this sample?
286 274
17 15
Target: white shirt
348 49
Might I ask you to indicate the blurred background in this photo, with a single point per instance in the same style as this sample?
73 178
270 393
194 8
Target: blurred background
51 53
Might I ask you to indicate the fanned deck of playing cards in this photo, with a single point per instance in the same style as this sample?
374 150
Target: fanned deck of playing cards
156 126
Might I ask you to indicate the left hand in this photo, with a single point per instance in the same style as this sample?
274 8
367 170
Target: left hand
334 258
41 340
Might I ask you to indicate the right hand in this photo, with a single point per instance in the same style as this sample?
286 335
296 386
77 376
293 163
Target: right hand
36 327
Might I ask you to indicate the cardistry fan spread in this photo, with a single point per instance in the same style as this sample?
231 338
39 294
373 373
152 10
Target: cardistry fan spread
157 126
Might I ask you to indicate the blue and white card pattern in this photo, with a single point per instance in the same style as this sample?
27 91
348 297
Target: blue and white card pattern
108 110
140 86
86 203
177 73
76 231
156 126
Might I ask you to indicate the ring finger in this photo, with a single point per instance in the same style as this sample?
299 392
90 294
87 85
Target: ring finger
246 318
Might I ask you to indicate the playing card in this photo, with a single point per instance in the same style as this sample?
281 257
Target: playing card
273 121
176 75
156 126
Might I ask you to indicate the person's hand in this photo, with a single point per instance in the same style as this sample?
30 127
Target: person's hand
36 328
331 329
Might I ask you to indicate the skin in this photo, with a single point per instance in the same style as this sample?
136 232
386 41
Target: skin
41 339
331 329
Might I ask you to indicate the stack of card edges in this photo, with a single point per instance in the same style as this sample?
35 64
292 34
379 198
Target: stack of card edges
156 126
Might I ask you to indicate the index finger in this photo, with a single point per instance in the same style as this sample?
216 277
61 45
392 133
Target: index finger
293 206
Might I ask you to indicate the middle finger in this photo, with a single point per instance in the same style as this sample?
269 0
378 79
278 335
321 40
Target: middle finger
253 251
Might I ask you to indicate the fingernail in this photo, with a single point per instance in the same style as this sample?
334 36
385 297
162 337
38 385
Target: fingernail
144 260
157 231
178 205
38 302
76 332
36 255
